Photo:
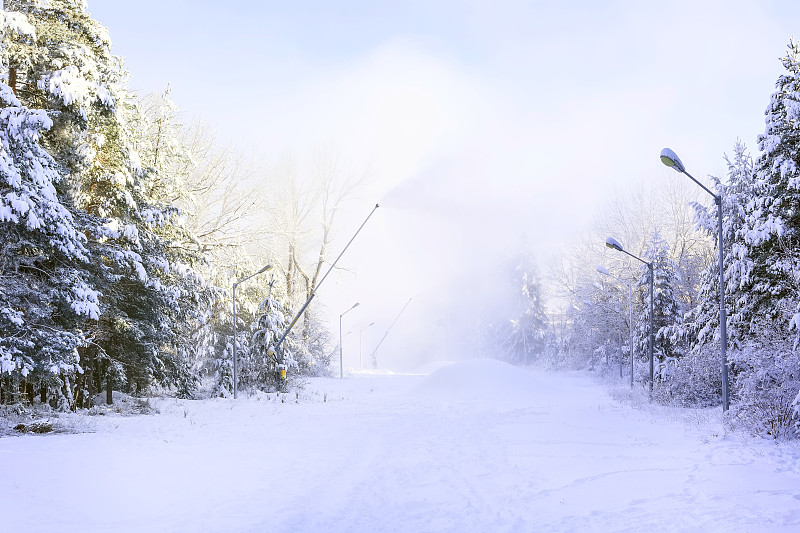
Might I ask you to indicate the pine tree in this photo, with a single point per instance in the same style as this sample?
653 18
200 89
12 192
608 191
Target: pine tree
702 323
522 336
666 307
43 292
773 214
767 367
147 285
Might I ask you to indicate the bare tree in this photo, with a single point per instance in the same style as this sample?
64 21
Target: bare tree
213 186
303 212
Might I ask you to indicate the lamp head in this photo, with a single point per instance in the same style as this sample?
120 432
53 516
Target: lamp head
671 159
355 305
603 270
268 267
611 242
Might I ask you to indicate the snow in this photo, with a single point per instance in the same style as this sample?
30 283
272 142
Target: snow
476 446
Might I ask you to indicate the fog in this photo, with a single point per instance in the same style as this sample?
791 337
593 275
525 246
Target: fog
482 127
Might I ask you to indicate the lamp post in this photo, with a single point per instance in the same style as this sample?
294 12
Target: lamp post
671 159
235 360
604 270
361 344
611 242
341 359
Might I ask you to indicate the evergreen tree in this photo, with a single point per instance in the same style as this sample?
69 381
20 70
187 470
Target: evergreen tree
767 368
702 323
43 292
667 310
522 336
773 215
147 284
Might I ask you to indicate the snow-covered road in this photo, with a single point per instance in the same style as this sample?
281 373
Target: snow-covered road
478 446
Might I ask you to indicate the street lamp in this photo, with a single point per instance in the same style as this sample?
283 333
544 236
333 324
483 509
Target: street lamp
604 270
235 360
361 344
611 242
671 159
341 365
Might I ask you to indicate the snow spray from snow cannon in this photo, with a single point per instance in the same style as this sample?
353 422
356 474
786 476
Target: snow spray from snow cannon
282 367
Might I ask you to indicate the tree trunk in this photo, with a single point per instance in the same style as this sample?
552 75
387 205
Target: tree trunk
67 390
109 391
14 389
107 375
79 396
89 370
43 393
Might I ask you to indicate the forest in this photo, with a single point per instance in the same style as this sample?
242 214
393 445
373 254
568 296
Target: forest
125 227
120 224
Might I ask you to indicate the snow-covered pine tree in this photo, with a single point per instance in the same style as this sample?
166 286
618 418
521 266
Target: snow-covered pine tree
522 335
261 368
43 292
147 285
701 326
773 215
666 307
767 368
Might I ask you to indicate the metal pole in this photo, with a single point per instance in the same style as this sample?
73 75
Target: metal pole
341 359
671 159
630 325
234 342
314 292
613 243
619 312
651 326
375 352
361 345
723 321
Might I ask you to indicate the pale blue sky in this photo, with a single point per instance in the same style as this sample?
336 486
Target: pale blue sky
478 120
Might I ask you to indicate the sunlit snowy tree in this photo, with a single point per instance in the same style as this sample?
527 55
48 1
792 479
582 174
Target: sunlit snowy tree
43 292
146 285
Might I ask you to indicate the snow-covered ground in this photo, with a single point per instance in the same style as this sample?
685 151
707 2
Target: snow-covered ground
478 446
